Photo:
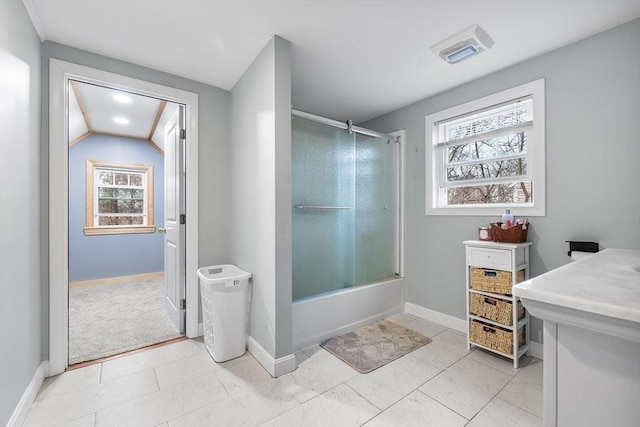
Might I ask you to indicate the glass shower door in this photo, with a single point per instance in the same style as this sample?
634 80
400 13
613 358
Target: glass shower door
344 193
322 194
375 209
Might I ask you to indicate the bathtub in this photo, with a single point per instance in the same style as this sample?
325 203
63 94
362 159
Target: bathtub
317 318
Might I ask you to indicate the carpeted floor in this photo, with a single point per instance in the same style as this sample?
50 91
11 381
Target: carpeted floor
113 318
374 345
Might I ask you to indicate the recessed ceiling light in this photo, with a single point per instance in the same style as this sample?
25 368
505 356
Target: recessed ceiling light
120 97
121 120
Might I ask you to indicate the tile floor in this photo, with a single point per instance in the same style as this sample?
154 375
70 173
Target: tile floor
440 384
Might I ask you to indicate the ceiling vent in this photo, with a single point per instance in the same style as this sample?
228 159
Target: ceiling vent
463 45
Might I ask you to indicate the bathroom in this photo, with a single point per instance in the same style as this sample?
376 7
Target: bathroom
433 250
588 183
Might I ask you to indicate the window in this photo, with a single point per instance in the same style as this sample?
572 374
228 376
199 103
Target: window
119 198
488 155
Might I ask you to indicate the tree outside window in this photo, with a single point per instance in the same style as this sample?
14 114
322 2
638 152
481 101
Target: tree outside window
488 154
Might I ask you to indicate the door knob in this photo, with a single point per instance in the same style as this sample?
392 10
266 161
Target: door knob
162 230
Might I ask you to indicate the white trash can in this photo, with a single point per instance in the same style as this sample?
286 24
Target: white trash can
225 310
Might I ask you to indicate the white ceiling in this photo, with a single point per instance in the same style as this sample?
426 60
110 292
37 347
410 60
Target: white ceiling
350 59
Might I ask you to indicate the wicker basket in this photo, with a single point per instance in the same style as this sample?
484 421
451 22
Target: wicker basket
494 309
515 234
494 337
496 281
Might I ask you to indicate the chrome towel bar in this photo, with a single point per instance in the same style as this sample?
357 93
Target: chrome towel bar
321 207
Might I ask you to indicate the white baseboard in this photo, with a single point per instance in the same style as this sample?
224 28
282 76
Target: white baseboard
535 348
29 396
119 279
275 367
435 316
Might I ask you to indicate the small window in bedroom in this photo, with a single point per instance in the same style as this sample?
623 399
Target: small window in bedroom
488 155
119 198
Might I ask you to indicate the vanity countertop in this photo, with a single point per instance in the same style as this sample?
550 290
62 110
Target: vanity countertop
606 283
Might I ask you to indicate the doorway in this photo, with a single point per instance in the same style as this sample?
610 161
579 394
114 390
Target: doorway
61 73
116 168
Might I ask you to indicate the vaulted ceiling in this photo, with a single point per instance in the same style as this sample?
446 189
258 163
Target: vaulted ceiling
98 109
350 59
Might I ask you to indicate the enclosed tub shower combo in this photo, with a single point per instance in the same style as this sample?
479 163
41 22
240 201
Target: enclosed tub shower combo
345 230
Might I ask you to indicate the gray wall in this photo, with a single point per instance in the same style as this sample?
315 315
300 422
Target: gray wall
20 326
593 164
112 255
261 192
283 223
213 150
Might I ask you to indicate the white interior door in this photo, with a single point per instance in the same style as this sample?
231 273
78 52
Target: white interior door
60 72
174 240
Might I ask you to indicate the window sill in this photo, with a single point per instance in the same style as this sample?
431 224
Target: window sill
520 211
136 229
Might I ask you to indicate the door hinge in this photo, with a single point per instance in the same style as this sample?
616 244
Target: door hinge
183 134
183 304
183 219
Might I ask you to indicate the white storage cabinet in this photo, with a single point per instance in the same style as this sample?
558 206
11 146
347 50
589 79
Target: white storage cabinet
496 259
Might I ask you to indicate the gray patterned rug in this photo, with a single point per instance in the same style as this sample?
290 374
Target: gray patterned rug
374 345
109 319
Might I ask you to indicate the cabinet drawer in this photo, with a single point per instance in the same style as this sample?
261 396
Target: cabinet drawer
492 258
494 309
494 337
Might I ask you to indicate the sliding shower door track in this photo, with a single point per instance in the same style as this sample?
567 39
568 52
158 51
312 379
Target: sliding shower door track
346 126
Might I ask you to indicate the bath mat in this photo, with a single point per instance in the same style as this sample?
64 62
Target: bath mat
374 345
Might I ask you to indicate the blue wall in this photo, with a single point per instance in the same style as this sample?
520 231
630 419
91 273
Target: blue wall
103 256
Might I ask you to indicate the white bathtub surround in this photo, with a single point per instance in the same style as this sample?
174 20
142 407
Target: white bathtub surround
315 319
591 313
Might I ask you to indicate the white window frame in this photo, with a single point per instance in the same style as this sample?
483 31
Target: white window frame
92 227
535 155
